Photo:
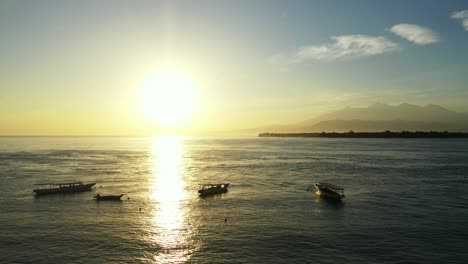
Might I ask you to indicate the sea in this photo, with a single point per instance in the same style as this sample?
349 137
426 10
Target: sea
406 200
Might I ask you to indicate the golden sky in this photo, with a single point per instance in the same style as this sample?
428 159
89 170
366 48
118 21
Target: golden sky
82 68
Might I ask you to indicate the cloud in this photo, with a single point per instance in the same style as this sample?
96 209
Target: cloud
416 34
463 16
342 47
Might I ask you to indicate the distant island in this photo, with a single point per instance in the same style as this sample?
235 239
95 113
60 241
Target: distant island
375 118
386 134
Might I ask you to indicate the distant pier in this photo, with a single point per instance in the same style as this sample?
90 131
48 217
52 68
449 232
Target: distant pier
386 134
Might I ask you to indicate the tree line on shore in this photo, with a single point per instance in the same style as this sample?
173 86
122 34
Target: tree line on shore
385 134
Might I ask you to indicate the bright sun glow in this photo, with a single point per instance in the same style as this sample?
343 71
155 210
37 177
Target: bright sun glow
168 99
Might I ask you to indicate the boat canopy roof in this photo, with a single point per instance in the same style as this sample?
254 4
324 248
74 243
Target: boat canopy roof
64 183
329 185
213 184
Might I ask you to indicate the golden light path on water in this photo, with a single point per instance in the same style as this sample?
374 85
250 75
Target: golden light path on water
169 219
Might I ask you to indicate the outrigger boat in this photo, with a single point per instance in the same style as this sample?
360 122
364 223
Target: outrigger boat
330 191
212 189
68 187
99 197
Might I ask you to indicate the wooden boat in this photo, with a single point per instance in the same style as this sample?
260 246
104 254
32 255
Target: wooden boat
212 189
67 187
329 191
99 197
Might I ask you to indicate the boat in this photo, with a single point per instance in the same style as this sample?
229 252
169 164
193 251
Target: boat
99 197
329 191
67 187
212 189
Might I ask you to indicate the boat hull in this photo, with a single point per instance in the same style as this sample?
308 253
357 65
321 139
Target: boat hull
212 191
330 195
108 197
68 189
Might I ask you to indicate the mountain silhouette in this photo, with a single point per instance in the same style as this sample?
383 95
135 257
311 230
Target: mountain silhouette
407 112
380 117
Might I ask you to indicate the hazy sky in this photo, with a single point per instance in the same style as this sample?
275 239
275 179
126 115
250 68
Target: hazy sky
79 67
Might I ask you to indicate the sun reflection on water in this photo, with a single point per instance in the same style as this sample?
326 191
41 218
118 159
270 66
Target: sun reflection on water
169 196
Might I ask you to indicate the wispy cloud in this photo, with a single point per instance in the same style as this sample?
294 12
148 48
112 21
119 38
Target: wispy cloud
342 47
463 16
417 34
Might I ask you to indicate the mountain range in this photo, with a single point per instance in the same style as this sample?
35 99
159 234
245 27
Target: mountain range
380 117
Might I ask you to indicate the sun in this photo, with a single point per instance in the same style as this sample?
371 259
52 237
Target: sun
168 99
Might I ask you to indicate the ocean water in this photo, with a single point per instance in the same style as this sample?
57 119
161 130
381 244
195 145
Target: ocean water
406 200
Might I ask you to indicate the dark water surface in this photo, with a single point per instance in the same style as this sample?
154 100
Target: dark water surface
406 200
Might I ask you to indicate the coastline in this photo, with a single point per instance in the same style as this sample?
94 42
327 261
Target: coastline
386 134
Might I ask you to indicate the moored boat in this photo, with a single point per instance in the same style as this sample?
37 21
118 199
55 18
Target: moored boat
329 191
99 197
212 189
67 187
